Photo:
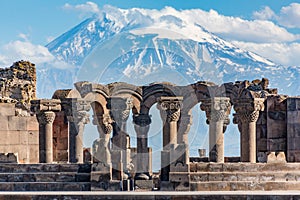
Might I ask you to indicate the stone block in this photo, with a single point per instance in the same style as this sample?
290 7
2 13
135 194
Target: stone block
114 186
43 177
199 177
17 123
145 185
101 176
293 103
7 109
230 177
293 131
9 138
6 187
262 144
29 137
181 186
277 144
65 177
83 177
248 177
32 123
215 177
202 167
166 186
34 153
3 123
219 186
179 177
293 117
293 143
265 177
215 167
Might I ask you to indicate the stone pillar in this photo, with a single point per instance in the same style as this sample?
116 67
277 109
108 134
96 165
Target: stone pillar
170 112
101 175
44 110
184 125
247 113
101 149
141 125
217 112
76 111
119 111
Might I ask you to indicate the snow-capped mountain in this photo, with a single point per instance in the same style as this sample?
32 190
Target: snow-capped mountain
140 46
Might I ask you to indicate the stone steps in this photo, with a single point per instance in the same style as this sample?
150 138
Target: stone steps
243 167
245 176
27 168
45 177
45 186
245 185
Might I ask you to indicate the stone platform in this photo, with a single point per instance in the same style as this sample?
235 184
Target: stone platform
211 195
244 176
45 177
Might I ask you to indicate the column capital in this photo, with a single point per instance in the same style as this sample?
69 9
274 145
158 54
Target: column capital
76 110
170 105
247 110
46 117
119 108
104 122
216 109
142 119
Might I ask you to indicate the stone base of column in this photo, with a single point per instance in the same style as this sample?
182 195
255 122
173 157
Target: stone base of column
165 165
101 176
117 165
166 186
179 154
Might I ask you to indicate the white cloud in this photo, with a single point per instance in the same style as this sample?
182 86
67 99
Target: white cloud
281 53
24 50
23 36
228 27
235 28
87 8
264 14
289 16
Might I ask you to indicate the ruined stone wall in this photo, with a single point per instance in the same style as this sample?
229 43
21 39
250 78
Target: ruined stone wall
19 130
18 134
18 82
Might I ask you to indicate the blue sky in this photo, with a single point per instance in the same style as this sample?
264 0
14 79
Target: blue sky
34 23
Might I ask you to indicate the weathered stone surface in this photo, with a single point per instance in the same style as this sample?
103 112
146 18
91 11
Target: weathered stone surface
7 109
144 185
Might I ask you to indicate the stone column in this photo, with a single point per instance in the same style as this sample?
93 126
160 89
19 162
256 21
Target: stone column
141 125
76 111
119 111
101 149
170 112
217 112
44 110
247 113
184 125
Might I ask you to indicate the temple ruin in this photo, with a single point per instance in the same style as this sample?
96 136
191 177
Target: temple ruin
41 140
